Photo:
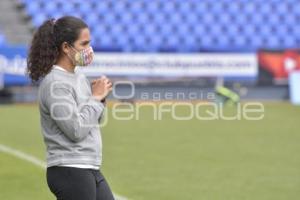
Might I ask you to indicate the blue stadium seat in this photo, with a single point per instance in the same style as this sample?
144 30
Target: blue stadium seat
185 7
154 6
172 41
192 19
102 7
33 7
273 42
57 14
119 7
136 7
249 8
133 30
169 7
109 18
91 19
67 8
84 8
200 31
223 41
50 7
38 19
126 18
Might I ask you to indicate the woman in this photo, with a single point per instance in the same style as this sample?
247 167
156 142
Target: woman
70 109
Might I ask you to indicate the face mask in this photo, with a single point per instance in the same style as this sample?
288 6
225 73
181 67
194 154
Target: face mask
83 57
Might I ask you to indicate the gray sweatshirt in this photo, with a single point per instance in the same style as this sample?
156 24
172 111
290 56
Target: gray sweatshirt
70 119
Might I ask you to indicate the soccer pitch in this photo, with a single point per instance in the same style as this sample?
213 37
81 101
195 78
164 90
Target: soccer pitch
166 159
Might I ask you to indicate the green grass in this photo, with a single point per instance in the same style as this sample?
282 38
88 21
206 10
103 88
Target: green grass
148 159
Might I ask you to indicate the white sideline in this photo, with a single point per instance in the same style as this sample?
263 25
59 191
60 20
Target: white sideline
35 161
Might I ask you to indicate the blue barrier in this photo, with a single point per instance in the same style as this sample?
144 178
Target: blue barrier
13 66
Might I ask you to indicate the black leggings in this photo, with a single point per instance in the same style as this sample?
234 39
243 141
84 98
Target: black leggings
69 183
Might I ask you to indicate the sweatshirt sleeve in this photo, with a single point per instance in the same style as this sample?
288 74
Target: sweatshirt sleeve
75 121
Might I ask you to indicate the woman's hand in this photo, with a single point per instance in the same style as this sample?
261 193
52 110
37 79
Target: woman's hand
101 88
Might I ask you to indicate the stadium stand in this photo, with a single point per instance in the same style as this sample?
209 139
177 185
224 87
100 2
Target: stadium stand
14 24
180 26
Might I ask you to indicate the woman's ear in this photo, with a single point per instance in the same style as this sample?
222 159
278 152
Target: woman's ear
65 48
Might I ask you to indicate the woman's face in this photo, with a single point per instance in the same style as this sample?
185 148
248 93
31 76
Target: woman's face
84 40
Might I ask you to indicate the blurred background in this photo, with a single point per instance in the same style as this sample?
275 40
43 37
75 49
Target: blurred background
251 46
238 50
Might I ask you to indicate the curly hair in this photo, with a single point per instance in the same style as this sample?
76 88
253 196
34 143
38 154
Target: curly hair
46 44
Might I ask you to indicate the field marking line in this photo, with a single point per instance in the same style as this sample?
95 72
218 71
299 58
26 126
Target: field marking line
35 161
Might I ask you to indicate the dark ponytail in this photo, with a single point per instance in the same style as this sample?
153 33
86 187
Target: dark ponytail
46 44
